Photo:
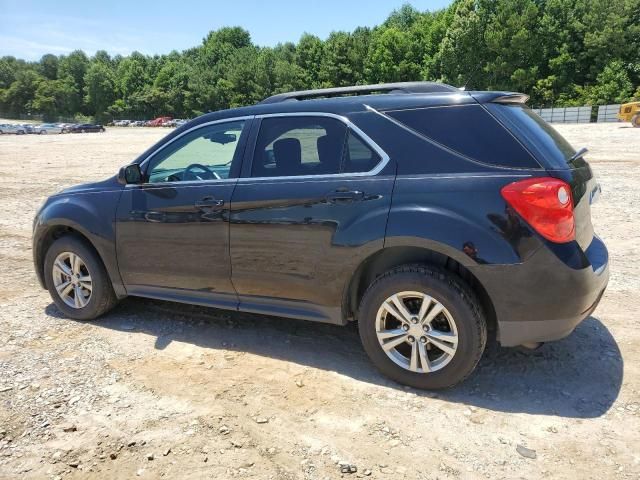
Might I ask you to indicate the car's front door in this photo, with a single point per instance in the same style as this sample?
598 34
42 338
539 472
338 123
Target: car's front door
312 203
172 231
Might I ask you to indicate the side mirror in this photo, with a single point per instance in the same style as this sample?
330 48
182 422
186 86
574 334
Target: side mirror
130 174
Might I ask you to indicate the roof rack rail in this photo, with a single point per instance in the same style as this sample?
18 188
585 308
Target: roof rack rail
399 87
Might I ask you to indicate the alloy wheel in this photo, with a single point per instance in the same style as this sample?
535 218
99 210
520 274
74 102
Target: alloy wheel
416 332
72 279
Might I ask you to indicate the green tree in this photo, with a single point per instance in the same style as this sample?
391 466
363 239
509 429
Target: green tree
99 88
391 58
49 66
612 86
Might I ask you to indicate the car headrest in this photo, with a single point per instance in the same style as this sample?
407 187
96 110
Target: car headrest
287 153
329 150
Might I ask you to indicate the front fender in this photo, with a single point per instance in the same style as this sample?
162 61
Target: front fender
92 215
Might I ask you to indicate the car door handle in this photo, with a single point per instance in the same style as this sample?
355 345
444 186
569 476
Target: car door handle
209 203
346 196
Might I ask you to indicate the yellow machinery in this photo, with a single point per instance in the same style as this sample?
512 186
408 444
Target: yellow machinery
630 112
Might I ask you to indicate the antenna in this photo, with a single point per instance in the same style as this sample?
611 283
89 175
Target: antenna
475 70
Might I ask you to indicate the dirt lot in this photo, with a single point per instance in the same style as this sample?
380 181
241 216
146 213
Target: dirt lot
162 390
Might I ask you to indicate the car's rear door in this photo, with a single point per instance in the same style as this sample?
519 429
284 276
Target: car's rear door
312 203
172 231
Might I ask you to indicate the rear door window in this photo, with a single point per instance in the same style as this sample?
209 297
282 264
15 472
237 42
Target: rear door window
298 146
358 156
309 145
470 131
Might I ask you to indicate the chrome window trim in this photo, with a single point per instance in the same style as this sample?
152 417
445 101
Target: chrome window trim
384 158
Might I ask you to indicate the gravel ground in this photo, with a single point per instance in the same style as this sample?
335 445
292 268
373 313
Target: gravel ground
156 389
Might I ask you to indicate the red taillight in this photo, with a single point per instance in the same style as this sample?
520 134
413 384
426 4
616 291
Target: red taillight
546 204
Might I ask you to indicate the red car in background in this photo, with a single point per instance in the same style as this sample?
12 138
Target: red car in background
157 122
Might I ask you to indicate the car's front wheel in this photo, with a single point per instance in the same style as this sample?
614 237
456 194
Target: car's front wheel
422 327
635 120
77 280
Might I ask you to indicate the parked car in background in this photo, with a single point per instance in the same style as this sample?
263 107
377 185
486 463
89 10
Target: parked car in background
157 122
370 207
66 127
86 128
122 123
47 128
12 128
179 123
138 123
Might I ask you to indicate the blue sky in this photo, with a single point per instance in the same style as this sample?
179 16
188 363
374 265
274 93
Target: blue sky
29 29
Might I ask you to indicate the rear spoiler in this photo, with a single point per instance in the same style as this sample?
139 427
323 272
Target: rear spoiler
511 98
508 98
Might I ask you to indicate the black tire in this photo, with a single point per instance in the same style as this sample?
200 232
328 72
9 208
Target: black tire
454 295
635 120
43 132
102 297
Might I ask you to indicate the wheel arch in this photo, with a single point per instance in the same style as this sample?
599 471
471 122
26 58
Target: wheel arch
73 216
49 236
387 258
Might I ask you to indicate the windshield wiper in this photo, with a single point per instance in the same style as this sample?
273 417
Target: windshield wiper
579 154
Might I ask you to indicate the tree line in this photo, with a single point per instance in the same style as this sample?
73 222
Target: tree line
560 52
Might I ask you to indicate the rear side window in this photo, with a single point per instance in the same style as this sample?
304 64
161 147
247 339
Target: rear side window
469 130
553 149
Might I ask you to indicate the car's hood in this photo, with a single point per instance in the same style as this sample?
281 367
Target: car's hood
93 187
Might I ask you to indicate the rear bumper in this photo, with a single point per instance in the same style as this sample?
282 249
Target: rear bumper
544 298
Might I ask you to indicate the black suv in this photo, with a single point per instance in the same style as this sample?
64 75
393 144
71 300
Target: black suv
433 217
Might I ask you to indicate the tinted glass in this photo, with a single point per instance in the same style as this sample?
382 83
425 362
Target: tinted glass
358 156
469 130
528 126
294 146
204 154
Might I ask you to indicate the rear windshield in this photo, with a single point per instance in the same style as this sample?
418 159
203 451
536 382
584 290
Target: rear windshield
538 135
469 130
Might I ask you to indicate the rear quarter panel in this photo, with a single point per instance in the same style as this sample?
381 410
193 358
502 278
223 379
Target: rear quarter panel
460 215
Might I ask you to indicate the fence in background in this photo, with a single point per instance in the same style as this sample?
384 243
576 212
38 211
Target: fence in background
565 114
608 113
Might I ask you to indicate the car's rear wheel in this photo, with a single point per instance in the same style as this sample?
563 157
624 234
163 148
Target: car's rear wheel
635 120
422 327
77 280
43 132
